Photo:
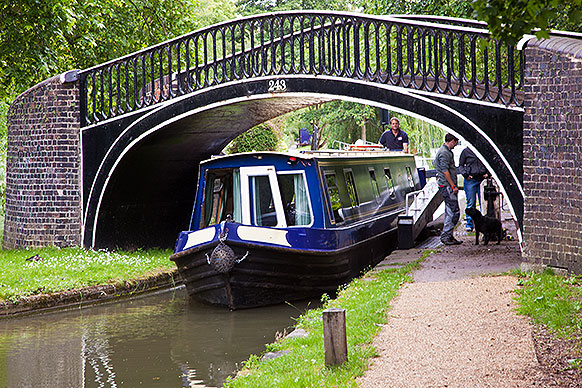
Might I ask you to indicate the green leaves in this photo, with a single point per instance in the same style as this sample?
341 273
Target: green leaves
259 138
39 39
510 20
336 120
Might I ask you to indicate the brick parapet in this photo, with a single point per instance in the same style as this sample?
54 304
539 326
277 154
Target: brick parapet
43 164
552 147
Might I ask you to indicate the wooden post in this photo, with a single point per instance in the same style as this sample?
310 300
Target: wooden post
334 336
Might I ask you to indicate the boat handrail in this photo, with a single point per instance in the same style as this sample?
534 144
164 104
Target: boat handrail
428 188
368 152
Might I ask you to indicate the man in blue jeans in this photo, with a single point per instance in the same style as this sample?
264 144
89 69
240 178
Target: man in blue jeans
444 164
474 172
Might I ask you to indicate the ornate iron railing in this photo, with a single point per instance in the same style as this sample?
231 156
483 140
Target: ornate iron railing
453 58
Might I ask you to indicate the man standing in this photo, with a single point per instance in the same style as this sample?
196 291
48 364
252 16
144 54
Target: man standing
474 172
444 164
395 139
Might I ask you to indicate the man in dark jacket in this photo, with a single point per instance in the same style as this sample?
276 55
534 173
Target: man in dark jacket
474 172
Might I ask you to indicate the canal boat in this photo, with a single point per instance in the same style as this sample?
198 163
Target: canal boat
271 227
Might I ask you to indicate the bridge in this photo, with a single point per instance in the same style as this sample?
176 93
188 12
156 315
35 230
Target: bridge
146 120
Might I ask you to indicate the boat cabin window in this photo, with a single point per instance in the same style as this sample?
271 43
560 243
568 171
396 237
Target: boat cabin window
263 211
334 197
219 200
375 188
389 182
409 176
295 199
351 186
271 198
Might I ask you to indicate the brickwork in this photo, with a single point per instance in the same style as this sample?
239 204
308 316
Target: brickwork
552 147
43 163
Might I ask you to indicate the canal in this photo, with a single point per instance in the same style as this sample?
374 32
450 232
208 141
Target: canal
160 340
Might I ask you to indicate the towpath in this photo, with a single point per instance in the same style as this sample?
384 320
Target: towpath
455 328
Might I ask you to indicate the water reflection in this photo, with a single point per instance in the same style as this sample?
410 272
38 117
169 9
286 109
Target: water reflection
163 340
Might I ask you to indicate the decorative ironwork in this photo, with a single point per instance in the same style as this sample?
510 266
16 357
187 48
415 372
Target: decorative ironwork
438 55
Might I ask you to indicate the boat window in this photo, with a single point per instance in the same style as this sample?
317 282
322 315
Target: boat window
295 199
261 197
351 185
375 188
219 200
409 176
389 182
263 207
334 197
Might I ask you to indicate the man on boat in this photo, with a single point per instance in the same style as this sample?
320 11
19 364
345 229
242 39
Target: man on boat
444 164
394 139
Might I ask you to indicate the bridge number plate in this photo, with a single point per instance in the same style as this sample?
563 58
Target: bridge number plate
277 86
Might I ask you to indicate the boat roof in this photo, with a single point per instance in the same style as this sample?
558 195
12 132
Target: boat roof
318 154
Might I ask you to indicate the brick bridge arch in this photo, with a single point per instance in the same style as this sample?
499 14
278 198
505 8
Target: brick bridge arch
74 138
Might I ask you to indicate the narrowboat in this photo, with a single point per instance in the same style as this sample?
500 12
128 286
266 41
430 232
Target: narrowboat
272 227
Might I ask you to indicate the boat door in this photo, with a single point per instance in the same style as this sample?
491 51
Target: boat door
261 198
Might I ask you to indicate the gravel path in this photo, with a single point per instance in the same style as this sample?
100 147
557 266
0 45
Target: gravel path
453 328
460 333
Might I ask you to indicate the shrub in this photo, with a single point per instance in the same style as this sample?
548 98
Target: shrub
259 138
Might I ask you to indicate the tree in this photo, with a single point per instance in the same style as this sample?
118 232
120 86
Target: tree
509 20
342 121
453 8
259 138
422 135
32 42
39 39
253 7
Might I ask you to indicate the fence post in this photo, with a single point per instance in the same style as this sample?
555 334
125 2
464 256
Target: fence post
334 336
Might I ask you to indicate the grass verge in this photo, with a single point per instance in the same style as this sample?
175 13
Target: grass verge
366 301
54 269
556 303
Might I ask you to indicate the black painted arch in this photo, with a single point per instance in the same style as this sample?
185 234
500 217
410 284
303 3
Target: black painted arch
140 183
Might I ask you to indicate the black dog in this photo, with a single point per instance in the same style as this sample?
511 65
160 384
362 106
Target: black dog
489 226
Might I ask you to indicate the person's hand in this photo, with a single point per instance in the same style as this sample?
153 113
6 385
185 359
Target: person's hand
455 190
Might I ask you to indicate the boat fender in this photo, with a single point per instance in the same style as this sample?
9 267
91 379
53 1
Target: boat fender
222 259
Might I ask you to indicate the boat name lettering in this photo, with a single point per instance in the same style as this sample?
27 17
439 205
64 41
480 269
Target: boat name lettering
277 85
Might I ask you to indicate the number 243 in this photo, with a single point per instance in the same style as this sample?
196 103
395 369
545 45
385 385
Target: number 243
277 85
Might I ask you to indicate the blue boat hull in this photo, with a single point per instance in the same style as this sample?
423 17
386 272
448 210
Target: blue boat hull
271 275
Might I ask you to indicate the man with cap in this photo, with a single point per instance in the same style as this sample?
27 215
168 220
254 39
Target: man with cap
394 139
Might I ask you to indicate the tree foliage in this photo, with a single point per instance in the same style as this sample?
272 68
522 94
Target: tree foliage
259 138
422 135
452 8
336 120
42 38
509 20
253 7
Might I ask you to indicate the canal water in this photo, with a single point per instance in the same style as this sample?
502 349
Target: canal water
161 340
